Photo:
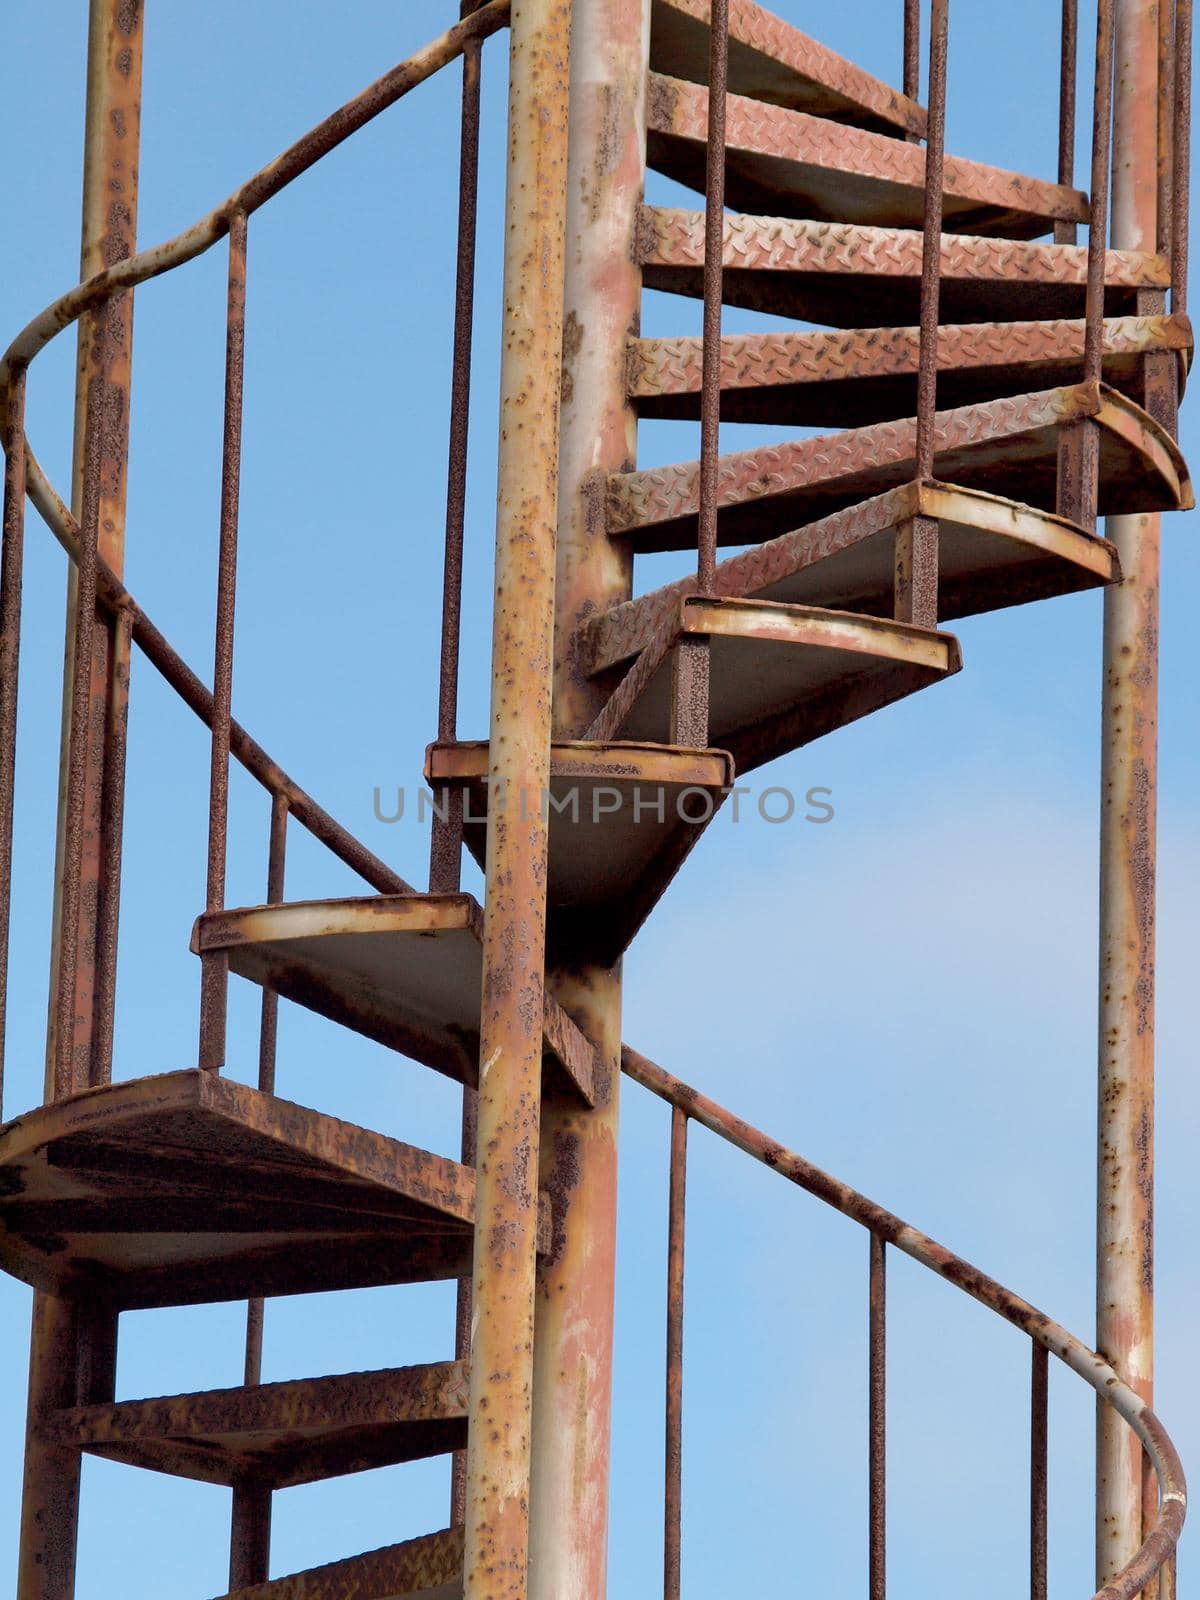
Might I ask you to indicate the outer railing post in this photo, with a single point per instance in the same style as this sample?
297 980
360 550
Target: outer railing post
690 669
916 556
676 1230
1079 444
11 564
250 1525
1064 232
506 1207
1039 1401
445 853
877 1421
214 980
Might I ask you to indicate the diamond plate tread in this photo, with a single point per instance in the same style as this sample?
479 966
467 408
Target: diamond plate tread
849 377
1006 446
279 1434
801 562
430 1566
855 276
787 161
771 60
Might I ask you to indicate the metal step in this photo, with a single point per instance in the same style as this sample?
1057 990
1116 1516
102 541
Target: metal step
406 970
771 60
277 1435
851 378
850 276
623 817
790 163
1006 447
187 1187
781 676
429 1568
991 553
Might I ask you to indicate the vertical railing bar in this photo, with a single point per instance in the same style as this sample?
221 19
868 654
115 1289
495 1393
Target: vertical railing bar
912 49
250 1531
1181 154
1166 126
714 251
931 248
215 975
1093 349
112 824
464 1302
268 1030
1064 232
267 1038
1038 1469
877 1422
11 564
445 859
83 641
676 1227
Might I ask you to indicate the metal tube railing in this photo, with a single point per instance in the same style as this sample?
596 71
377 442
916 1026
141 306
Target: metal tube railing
714 252
690 678
112 831
673 1453
215 968
916 548
114 597
95 583
1102 109
11 562
931 245
911 59
877 1421
66 1077
1164 132
1038 1470
445 848
326 136
1181 154
1157 1550
250 1527
1064 232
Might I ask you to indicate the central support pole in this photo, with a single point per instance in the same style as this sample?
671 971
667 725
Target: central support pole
1129 780
506 1205
573 1352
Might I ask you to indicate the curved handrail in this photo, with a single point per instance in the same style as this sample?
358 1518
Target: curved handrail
262 186
1160 1542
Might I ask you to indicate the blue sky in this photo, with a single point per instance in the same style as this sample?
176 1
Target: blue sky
906 996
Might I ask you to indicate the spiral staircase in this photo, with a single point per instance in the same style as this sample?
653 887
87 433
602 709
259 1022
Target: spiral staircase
980 402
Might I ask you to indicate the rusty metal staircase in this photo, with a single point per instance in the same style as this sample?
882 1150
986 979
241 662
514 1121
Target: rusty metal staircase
986 393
